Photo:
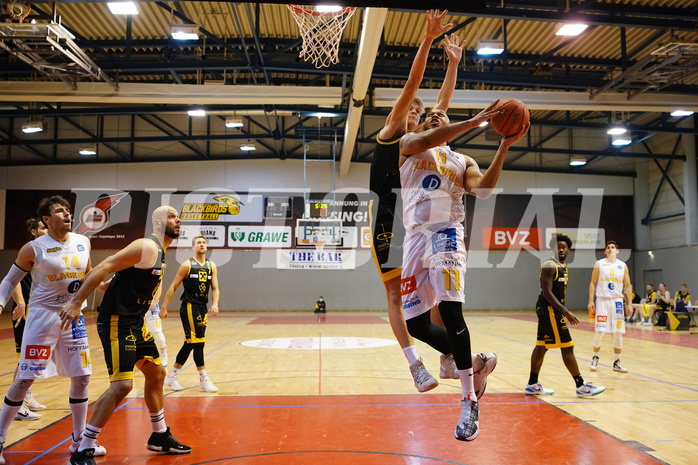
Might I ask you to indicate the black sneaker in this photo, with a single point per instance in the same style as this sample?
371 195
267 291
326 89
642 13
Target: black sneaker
83 457
164 442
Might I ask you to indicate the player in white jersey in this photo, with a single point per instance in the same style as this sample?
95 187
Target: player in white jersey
57 261
609 280
434 179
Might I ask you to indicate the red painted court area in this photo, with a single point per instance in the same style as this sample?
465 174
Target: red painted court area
342 430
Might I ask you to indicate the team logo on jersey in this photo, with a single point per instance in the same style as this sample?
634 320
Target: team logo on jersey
74 286
444 241
408 285
95 217
53 249
611 286
211 211
431 182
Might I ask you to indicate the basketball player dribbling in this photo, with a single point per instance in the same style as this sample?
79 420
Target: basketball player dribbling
434 180
386 220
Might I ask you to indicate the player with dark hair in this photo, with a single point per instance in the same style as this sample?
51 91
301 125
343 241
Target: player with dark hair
434 180
610 279
553 317
58 261
197 275
126 341
386 216
35 228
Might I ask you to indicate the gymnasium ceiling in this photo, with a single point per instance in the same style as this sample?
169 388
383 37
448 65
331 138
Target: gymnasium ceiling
637 61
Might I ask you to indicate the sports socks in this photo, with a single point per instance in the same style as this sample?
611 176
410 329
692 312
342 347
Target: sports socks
9 410
533 378
411 354
466 381
579 381
202 374
89 437
157 421
78 410
174 372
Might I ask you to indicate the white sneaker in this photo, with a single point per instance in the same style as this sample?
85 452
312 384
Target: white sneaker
2 459
480 377
24 414
538 390
423 381
207 386
31 403
163 358
618 367
588 389
100 450
171 381
468 426
448 369
594 363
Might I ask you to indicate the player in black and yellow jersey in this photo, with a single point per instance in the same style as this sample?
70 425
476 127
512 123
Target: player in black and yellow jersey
553 318
125 339
197 276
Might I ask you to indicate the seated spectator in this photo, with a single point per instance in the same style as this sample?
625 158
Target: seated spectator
681 299
645 308
663 305
320 306
635 306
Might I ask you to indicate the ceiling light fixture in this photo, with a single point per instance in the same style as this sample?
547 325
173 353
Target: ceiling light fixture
616 130
197 112
31 127
578 161
490 47
248 147
570 29
123 8
681 113
88 150
185 32
328 8
621 139
233 122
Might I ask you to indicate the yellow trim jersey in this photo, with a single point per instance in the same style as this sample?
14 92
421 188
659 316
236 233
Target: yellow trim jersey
196 284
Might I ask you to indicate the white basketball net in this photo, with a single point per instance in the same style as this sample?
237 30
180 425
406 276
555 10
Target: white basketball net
319 241
321 33
18 9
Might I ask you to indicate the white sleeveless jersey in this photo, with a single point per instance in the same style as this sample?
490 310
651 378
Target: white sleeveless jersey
58 269
432 189
611 277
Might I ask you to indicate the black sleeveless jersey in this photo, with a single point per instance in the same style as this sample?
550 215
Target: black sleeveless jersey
559 283
26 285
197 283
131 290
385 171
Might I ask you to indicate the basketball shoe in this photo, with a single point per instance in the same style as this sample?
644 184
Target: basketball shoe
164 442
207 386
423 381
588 389
448 369
538 390
489 361
618 367
24 414
171 381
468 426
99 450
2 458
594 363
163 357
31 403
84 457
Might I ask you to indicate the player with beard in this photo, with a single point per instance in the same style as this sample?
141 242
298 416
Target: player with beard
126 341
553 316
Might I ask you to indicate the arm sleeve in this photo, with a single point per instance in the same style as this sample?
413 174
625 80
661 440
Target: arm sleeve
13 278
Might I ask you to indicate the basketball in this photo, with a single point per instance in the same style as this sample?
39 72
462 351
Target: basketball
513 116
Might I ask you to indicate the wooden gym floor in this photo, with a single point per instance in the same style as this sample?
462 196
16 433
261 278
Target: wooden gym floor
317 390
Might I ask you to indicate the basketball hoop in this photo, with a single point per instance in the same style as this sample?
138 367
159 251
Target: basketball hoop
319 242
18 9
321 33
